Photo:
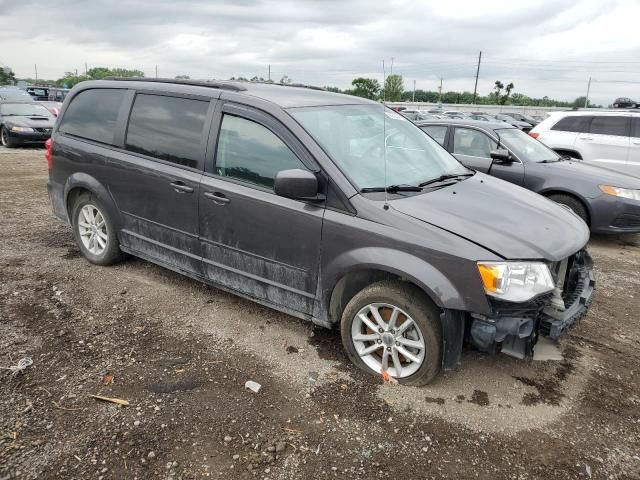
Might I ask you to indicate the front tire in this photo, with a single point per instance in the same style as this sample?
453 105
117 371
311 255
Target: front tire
392 325
94 231
573 204
4 138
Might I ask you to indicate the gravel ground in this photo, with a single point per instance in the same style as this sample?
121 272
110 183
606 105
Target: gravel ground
180 353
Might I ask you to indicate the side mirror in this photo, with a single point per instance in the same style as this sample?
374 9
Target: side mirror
297 184
501 155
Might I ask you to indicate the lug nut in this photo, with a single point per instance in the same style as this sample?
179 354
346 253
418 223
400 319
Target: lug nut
379 341
397 344
380 330
388 349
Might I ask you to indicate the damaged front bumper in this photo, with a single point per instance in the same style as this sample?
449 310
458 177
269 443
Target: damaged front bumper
514 328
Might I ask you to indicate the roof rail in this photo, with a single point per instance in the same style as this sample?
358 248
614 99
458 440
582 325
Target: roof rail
182 81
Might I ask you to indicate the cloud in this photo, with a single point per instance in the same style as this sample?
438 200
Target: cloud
549 47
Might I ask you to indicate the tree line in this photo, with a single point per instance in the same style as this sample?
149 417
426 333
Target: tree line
392 90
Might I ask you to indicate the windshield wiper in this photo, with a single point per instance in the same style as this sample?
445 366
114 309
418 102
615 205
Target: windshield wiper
392 189
442 178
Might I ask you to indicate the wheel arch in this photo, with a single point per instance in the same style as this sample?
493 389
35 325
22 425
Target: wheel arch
78 183
562 191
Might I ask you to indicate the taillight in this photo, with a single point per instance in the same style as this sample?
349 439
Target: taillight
534 134
49 153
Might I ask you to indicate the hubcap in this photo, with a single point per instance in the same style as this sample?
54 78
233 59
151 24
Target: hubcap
93 229
387 338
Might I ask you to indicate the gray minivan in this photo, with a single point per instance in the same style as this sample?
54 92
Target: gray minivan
328 207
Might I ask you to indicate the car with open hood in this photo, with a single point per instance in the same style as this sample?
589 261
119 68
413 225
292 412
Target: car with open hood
607 201
24 123
329 207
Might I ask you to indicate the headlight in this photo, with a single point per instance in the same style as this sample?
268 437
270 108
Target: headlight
22 129
515 281
621 192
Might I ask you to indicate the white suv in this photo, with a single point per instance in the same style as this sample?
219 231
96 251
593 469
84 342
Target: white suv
608 139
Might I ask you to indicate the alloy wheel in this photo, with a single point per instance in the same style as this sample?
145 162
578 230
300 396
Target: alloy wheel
93 229
387 338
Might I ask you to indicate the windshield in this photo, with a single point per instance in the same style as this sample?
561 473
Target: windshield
24 109
354 137
525 147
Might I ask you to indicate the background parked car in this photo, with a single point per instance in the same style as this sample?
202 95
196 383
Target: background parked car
625 102
58 94
608 139
608 201
522 118
24 123
524 126
14 93
38 93
53 107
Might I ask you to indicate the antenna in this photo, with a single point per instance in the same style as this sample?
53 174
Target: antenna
384 133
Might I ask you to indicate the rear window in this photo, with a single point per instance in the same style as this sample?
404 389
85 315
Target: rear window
93 114
573 123
168 128
636 127
610 126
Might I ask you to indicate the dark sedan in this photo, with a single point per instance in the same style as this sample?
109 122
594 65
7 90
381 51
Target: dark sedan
608 201
24 123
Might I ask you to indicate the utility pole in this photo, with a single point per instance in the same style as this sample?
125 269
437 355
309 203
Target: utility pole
36 67
269 72
475 89
440 92
156 71
413 100
384 84
86 69
391 66
586 100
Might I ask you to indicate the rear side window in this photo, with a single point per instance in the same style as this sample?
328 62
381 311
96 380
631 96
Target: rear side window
472 143
93 114
636 127
438 133
573 124
610 126
168 128
249 152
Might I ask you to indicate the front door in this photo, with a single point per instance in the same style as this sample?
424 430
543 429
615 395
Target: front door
254 242
473 148
155 183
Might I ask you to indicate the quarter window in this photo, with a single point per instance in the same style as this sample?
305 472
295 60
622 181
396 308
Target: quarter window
249 152
93 114
573 123
636 127
606 125
472 143
168 128
438 133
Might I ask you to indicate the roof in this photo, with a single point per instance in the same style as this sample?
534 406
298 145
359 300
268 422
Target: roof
470 123
615 112
286 96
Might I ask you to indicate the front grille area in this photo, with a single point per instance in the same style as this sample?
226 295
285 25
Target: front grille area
42 130
627 220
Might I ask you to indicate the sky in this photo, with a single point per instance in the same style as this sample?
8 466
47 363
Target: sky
546 47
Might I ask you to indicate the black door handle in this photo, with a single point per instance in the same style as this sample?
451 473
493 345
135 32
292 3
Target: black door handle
180 187
217 198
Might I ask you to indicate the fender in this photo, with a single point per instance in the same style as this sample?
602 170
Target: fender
545 192
87 182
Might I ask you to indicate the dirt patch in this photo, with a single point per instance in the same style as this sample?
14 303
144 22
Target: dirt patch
180 353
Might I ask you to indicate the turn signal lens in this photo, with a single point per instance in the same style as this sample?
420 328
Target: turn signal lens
490 276
621 192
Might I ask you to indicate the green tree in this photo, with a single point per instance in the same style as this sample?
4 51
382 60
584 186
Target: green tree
286 80
97 73
579 102
183 77
393 88
365 87
7 76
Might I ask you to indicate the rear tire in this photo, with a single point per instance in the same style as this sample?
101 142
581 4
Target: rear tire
410 336
94 231
573 203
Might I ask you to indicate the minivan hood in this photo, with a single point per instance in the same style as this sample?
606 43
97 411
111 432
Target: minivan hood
504 218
